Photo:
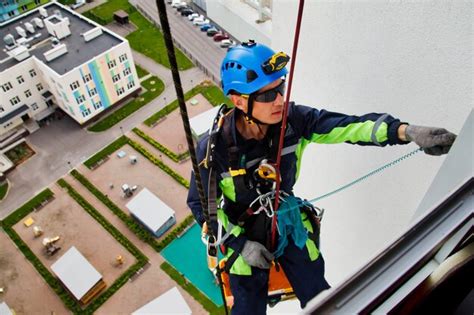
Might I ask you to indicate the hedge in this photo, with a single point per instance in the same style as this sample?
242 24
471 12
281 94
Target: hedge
192 290
175 157
105 152
3 190
158 163
141 258
152 91
51 280
211 92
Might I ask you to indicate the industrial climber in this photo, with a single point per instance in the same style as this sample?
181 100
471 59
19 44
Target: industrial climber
241 150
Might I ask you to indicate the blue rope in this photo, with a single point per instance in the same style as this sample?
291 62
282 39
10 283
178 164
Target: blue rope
360 179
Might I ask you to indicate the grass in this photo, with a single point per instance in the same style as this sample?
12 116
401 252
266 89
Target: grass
3 190
154 87
149 41
192 290
19 153
211 92
104 13
67 2
141 71
105 152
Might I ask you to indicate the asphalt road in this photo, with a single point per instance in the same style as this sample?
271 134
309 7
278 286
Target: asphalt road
201 47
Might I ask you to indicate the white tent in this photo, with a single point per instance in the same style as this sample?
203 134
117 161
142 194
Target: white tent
76 273
151 212
202 122
5 310
170 302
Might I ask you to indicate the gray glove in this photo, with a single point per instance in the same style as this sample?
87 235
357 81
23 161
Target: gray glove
433 141
256 255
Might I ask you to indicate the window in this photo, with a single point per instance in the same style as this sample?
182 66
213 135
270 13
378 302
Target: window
15 100
123 57
24 7
120 91
126 72
39 86
86 112
27 93
37 2
1 109
20 79
80 99
92 92
87 78
116 77
32 73
130 84
74 85
98 105
34 106
111 63
7 86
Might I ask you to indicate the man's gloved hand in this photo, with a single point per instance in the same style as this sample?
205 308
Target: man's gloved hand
433 141
256 255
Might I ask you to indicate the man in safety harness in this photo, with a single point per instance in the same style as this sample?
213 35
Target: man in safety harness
240 150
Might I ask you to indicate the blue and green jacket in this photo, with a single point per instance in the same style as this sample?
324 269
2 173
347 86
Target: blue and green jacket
305 125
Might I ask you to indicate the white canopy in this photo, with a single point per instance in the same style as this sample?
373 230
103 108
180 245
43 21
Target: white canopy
170 302
202 122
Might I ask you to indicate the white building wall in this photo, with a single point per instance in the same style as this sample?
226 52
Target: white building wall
18 89
410 59
238 19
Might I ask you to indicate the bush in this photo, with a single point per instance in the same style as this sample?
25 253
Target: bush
175 157
153 90
3 190
211 92
27 208
105 152
158 163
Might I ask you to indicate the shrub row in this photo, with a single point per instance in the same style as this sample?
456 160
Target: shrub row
141 258
211 92
152 91
175 157
192 290
158 163
108 150
51 280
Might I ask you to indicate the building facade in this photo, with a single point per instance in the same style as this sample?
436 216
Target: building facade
54 57
12 8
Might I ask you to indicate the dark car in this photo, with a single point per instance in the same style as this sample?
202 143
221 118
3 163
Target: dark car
187 12
180 9
220 36
205 27
212 31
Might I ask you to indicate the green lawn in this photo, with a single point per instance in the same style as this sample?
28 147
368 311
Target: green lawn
67 2
104 13
3 190
153 86
211 92
149 41
141 71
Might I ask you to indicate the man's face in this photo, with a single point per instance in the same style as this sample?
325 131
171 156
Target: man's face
269 112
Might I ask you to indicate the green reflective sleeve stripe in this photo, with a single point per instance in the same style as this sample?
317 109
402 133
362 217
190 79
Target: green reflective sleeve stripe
299 155
240 267
310 245
224 219
361 131
227 187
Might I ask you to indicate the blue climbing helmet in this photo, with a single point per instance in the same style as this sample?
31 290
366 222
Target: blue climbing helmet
250 66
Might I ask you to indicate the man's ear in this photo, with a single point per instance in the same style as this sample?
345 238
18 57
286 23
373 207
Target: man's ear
239 102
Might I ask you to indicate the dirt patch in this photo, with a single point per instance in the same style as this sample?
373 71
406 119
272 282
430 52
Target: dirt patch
20 153
21 283
170 131
65 218
118 171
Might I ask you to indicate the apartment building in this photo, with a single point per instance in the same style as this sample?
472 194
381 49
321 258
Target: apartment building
12 8
54 57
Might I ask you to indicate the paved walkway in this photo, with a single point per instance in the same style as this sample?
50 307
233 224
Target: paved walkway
64 144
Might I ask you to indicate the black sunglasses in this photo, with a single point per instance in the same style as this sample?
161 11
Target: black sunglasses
270 95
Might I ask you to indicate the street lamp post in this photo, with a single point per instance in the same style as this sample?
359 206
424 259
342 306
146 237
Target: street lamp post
121 130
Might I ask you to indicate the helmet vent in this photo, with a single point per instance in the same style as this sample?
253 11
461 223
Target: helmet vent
251 75
239 66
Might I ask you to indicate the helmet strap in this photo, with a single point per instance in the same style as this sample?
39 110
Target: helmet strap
248 116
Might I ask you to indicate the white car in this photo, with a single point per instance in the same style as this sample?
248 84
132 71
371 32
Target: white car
227 43
193 16
177 4
201 22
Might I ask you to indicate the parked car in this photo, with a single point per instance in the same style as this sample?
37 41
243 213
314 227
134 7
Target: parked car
227 43
212 31
177 4
220 36
201 22
193 16
205 27
187 12
181 8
